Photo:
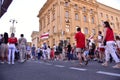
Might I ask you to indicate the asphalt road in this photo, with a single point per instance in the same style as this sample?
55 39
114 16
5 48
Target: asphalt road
58 70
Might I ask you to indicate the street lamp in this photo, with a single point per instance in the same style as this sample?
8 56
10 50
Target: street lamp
12 28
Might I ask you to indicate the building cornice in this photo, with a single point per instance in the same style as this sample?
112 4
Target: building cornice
45 6
111 9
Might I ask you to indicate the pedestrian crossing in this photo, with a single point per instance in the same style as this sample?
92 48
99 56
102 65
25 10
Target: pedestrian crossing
79 69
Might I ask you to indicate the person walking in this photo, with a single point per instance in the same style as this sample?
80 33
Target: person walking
80 45
4 47
60 48
110 42
28 48
22 42
1 36
69 52
101 47
12 41
33 51
45 47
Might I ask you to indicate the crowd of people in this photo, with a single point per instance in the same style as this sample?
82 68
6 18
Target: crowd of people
9 46
103 49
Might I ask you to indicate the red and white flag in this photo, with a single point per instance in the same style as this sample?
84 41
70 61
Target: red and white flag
44 36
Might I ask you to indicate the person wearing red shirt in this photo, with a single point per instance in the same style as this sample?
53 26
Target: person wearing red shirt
110 42
80 45
12 41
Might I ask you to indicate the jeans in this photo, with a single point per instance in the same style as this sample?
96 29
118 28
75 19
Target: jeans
11 52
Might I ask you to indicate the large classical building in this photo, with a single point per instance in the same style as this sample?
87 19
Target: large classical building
60 18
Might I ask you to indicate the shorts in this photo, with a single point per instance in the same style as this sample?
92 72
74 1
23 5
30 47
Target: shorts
33 53
79 50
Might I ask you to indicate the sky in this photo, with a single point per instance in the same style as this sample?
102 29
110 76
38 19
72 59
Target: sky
25 13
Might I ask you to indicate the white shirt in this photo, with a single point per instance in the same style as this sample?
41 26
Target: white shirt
99 39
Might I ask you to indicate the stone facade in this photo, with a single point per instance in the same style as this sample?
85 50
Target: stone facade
35 38
61 18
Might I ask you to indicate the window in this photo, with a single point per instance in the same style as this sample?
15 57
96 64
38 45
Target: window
76 16
44 22
91 11
48 17
48 20
67 14
54 29
93 31
106 15
86 30
76 6
102 22
40 25
101 14
49 31
112 25
85 18
66 4
111 17
53 16
53 41
116 19
93 20
84 9
67 28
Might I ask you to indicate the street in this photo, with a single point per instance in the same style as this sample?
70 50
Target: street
58 70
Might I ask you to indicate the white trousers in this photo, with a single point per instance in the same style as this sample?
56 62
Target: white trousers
11 52
45 54
111 50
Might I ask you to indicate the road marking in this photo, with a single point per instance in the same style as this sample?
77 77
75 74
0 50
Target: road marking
80 69
59 66
108 73
40 62
48 64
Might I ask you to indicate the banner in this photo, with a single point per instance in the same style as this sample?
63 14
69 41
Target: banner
44 36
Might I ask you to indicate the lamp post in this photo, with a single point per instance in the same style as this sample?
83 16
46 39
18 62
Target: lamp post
12 28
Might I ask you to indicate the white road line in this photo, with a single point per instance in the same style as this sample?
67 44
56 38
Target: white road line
40 62
80 69
59 66
108 73
48 64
